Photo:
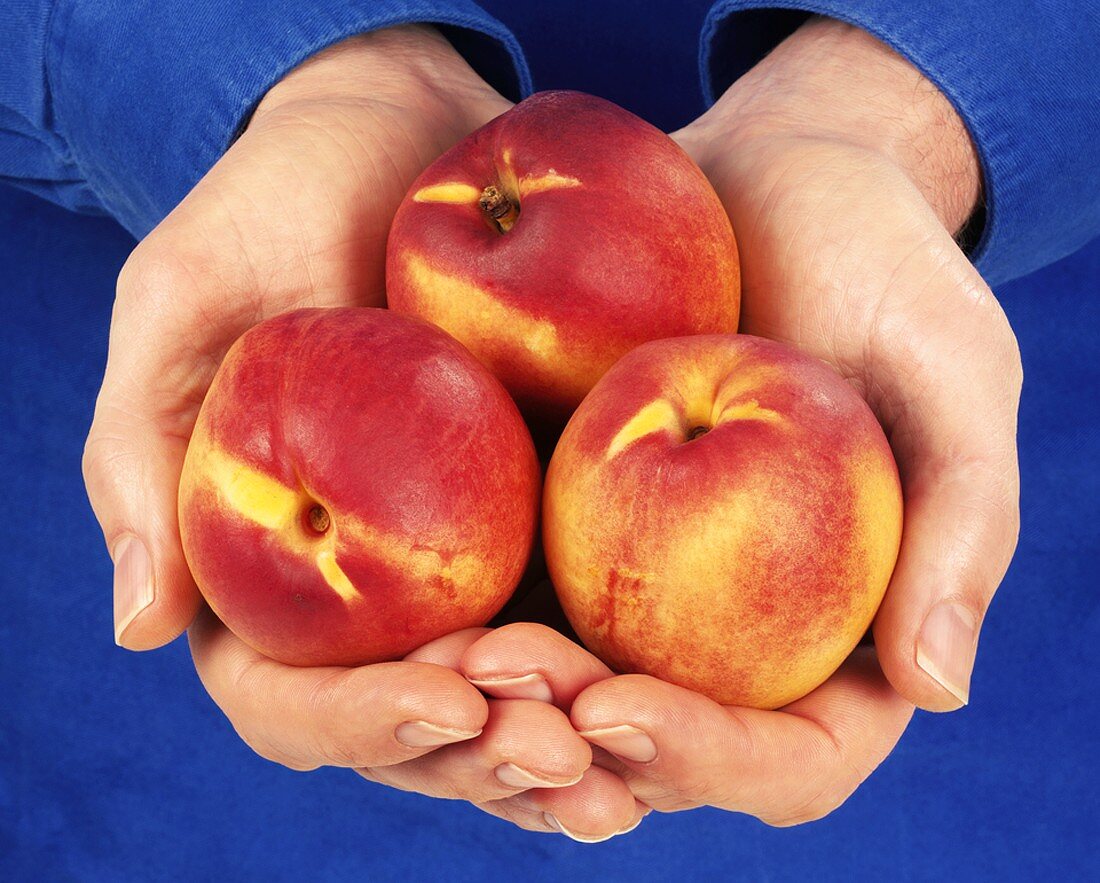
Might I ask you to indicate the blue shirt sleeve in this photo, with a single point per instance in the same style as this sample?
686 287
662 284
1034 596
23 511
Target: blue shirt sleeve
118 107
1023 75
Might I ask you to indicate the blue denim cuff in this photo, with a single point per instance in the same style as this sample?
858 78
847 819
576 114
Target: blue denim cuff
1023 78
148 95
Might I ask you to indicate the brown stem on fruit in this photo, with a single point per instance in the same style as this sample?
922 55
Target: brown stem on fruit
500 209
697 431
318 518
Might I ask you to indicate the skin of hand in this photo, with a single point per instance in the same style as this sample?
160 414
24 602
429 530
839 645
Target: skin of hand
845 174
295 214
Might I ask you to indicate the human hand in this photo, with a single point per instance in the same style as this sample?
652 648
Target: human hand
845 174
676 749
296 214
419 725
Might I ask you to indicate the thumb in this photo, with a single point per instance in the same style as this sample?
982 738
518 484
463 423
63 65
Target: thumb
132 463
961 531
953 429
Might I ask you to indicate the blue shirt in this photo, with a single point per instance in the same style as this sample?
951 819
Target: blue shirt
118 107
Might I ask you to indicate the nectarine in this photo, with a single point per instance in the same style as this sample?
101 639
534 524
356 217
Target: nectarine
724 513
558 237
356 485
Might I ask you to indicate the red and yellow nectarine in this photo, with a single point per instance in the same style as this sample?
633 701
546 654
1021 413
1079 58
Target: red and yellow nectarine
356 485
724 513
558 237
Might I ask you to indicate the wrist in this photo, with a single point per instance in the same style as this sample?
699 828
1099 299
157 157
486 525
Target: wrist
834 82
412 67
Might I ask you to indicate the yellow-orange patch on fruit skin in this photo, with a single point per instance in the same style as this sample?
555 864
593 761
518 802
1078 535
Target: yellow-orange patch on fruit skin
662 416
451 193
746 379
335 576
531 184
749 410
472 314
657 416
258 497
877 490
270 504
423 564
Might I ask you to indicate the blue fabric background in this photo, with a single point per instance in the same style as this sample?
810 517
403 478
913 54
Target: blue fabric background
115 766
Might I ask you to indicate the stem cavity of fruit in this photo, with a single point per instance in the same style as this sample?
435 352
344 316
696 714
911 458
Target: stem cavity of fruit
318 518
500 210
697 431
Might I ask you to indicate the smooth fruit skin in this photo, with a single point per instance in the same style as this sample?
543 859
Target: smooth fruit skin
745 563
619 239
424 471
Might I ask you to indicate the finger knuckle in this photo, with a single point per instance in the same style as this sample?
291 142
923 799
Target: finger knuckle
964 322
237 691
333 706
997 331
447 787
263 744
710 791
153 278
524 632
1011 531
436 780
986 539
107 441
841 773
343 751
268 751
107 462
90 459
598 703
348 717
813 809
1014 367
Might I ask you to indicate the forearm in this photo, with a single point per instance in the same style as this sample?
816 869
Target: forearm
1023 79
832 81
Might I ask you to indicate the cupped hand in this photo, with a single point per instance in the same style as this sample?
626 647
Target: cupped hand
676 749
419 725
846 176
296 214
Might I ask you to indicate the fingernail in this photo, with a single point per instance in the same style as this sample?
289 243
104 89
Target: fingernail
134 590
517 777
572 835
946 647
625 741
421 734
632 825
532 686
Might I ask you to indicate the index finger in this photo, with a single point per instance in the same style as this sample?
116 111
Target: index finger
679 749
374 715
525 660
